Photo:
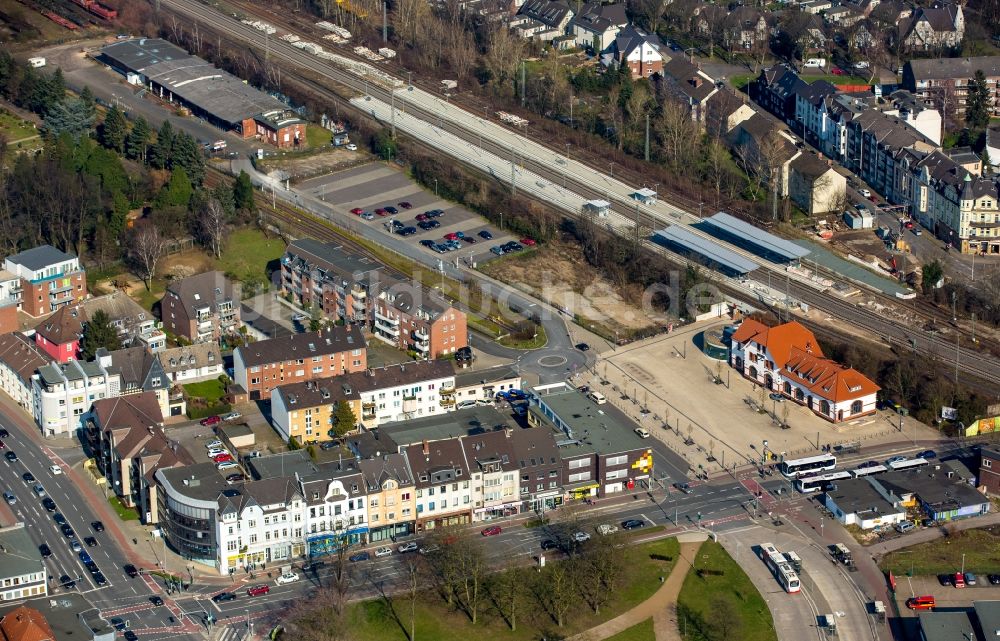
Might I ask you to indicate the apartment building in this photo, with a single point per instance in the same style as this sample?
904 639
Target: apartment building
391 493
201 308
141 372
188 507
323 276
482 386
192 363
260 367
263 522
496 477
134 324
62 393
20 358
943 83
22 570
378 395
444 488
418 320
787 359
10 301
49 279
337 507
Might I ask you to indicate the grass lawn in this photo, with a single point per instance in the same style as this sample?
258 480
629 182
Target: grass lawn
944 555
739 81
247 254
14 128
211 390
316 136
377 621
699 600
124 513
531 343
149 297
638 632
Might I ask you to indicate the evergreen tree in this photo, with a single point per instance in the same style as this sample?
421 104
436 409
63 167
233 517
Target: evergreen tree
176 193
118 216
138 140
243 192
98 333
70 116
344 420
160 154
186 153
977 103
88 96
105 164
114 130
224 196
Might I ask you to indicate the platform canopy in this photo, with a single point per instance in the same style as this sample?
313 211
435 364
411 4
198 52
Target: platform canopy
768 245
681 236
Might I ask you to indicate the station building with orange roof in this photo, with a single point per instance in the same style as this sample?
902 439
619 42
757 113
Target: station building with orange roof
787 359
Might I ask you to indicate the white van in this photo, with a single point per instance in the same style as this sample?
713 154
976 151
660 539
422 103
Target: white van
597 397
36 62
815 63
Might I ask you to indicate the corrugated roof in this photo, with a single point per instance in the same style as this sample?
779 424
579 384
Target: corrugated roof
680 235
756 236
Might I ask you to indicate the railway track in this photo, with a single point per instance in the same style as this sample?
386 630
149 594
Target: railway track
972 362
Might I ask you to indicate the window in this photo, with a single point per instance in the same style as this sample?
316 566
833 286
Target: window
579 476
617 460
616 474
987 463
578 463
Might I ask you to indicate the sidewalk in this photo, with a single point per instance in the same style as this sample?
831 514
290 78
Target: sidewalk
929 534
662 606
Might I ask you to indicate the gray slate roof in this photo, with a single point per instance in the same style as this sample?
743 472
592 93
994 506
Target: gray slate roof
943 68
305 345
40 257
18 553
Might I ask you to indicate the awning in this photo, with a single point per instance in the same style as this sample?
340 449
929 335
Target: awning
583 485
497 507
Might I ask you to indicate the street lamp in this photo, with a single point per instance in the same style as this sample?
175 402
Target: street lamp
612 169
435 187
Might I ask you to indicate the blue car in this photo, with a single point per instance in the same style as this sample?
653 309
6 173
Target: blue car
360 556
85 557
927 454
516 395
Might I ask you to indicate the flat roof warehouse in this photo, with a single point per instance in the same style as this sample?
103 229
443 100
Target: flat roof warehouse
177 75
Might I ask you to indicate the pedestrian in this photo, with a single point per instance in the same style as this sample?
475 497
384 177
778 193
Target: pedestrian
135 541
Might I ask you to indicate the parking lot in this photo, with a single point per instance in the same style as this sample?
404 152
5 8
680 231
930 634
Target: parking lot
387 199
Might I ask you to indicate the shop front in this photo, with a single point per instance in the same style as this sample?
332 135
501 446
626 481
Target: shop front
501 511
330 542
584 490
449 520
542 502
390 532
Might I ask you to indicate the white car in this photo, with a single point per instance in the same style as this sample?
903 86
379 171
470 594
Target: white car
214 445
580 537
383 551
352 147
232 416
407 547
642 432
287 577
228 465
866 193
212 453
56 470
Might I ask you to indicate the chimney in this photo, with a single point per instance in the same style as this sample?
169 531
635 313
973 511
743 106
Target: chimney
427 448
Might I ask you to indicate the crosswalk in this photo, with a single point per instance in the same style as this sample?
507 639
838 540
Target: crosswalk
234 632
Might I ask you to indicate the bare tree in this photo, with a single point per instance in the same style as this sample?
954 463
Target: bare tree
145 246
560 590
212 224
508 589
408 17
677 133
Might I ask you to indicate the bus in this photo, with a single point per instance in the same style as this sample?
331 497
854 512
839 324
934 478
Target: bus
868 471
780 568
822 482
795 467
908 464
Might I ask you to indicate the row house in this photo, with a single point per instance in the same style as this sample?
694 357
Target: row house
141 371
20 358
495 474
337 507
201 308
59 334
305 410
356 290
49 279
596 25
544 20
260 367
192 363
788 360
392 496
62 393
260 523
22 575
444 488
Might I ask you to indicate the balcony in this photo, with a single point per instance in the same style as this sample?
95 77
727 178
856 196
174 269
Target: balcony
385 330
446 391
358 305
422 347
358 292
392 322
447 402
421 335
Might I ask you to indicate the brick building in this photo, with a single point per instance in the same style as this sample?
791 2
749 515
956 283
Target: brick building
989 470
201 308
260 367
418 320
50 279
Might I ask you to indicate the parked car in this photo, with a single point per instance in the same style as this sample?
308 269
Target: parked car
287 577
391 210
530 242
866 193
117 623
606 528
486 235
383 551
927 454
405 205
633 524
226 465
920 603
970 578
642 432
381 211
994 579
360 556
498 250
895 459
235 478
451 236
213 444
493 530
368 216
581 537
469 239
258 590
407 231
209 421
959 580
222 458
351 147
945 579
423 217
410 546
129 635
222 597
905 526
357 211
232 416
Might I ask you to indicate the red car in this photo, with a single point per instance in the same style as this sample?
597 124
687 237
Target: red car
257 590
908 224
528 241
222 458
492 530
2 446
405 205
209 421
837 71
422 217
357 211
451 236
380 211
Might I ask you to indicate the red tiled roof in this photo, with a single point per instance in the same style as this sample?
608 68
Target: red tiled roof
780 340
25 624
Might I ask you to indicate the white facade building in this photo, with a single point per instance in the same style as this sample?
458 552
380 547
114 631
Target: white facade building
337 510
260 523
63 393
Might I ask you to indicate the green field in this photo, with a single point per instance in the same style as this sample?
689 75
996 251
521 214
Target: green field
316 136
944 555
638 632
378 620
248 253
124 513
718 600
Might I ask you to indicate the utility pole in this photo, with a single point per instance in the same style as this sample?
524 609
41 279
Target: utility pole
392 110
954 315
522 83
385 24
958 351
513 181
647 136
